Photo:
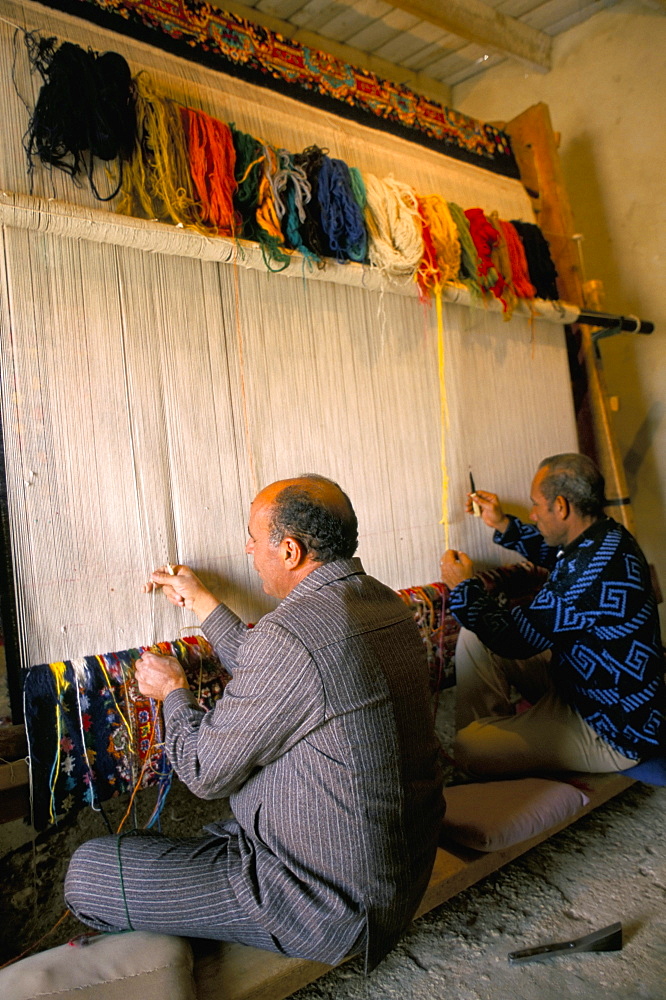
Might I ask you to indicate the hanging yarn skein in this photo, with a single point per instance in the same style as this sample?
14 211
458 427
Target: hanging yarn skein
444 234
341 215
395 243
485 238
519 271
291 193
157 183
502 260
313 236
469 258
543 274
428 275
254 198
212 161
268 220
84 111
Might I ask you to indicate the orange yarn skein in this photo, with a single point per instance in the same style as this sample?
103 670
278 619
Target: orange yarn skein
212 160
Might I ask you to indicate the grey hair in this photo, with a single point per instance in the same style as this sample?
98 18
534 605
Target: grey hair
327 527
576 478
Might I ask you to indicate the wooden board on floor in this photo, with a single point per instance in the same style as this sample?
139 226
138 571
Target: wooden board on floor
237 972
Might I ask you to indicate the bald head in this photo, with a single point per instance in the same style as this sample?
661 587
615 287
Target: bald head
314 511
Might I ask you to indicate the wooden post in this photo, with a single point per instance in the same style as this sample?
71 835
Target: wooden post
535 147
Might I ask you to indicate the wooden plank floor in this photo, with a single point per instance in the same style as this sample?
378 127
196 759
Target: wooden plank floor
237 972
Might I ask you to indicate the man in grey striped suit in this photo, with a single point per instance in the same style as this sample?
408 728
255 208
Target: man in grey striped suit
323 742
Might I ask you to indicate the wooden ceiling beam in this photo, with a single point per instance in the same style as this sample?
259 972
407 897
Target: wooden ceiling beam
481 24
420 83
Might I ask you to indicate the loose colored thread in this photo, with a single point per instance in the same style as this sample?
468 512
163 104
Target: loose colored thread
444 415
122 880
58 671
36 944
137 785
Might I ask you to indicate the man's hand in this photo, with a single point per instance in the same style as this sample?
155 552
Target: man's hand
158 676
456 567
184 589
491 510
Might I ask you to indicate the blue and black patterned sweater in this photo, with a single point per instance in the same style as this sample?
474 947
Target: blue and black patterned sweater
598 614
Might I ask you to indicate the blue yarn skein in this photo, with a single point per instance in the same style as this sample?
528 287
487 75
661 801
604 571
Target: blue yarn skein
341 216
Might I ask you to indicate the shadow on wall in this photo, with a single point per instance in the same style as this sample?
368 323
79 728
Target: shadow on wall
640 466
600 260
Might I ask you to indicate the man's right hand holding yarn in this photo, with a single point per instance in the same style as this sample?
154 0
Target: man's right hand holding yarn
183 588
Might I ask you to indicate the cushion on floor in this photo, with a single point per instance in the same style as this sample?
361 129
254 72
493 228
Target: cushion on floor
107 967
491 815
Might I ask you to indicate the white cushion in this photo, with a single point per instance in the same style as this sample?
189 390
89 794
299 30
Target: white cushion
497 814
107 967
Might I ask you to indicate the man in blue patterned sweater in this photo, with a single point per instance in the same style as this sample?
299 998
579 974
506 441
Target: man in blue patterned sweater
586 653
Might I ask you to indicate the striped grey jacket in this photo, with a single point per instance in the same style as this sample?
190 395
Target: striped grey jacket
324 743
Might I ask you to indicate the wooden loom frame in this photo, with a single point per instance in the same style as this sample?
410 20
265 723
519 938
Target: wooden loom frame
240 973
536 150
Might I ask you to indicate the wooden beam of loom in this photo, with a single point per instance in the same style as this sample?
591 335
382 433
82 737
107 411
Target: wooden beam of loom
482 25
535 147
421 83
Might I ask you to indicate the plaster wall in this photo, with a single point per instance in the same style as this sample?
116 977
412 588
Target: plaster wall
606 98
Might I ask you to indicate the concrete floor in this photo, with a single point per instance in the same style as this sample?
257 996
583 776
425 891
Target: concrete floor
609 866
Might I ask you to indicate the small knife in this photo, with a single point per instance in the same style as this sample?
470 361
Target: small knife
607 939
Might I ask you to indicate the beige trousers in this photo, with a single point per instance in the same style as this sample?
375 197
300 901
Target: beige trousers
492 740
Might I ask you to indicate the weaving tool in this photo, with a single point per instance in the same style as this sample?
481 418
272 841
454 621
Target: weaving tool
476 510
606 939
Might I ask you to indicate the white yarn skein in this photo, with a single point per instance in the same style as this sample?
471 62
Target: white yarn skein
395 243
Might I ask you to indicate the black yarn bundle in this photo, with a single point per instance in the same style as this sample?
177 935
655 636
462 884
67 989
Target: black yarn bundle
85 109
543 274
312 231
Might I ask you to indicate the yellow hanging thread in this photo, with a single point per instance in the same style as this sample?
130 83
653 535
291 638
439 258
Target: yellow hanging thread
61 684
444 413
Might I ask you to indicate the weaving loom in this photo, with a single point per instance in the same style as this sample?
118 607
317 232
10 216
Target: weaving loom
155 379
93 735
